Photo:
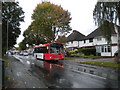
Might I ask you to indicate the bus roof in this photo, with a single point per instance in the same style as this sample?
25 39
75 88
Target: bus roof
47 44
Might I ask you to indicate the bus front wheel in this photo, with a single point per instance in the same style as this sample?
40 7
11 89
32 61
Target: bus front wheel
36 56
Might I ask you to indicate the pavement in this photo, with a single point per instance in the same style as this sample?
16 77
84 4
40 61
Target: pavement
20 77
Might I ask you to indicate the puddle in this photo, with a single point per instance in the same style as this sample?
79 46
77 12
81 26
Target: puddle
28 62
91 72
53 73
19 73
106 73
84 70
53 87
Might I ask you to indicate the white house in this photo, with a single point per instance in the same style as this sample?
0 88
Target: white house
73 40
95 40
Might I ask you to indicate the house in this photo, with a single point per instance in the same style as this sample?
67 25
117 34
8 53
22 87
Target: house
73 40
95 40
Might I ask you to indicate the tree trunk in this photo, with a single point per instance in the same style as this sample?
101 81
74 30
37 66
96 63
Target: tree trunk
119 36
54 29
111 48
119 44
118 13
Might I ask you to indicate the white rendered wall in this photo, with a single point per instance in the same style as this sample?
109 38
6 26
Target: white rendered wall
95 43
114 49
105 53
72 44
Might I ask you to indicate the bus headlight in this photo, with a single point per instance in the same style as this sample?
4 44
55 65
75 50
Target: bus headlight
50 57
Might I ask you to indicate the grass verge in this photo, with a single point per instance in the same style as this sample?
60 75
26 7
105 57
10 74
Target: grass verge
92 57
69 58
6 61
104 64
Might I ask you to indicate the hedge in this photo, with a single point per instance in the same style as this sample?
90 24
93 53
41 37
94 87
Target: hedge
88 51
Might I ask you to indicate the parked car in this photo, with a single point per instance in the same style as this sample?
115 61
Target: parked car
25 53
21 53
30 53
116 58
116 53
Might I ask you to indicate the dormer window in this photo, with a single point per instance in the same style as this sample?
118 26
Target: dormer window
91 40
84 41
71 42
99 38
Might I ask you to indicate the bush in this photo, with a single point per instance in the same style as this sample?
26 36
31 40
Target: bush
88 51
72 52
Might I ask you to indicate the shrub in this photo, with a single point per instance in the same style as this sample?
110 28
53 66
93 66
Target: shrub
72 52
88 51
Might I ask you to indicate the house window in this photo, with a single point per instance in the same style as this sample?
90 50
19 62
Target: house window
99 38
109 49
98 49
84 41
102 49
91 40
106 48
71 42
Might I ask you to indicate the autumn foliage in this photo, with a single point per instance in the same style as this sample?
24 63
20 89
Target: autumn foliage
49 22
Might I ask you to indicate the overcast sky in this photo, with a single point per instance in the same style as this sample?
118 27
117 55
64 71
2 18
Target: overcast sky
81 13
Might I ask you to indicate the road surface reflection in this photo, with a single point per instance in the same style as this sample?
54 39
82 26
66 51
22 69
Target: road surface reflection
53 73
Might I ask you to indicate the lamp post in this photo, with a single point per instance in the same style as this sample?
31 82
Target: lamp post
7 36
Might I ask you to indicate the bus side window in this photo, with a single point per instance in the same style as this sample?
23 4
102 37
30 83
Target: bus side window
36 50
42 50
45 50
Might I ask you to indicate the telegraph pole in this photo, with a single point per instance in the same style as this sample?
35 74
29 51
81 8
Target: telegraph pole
7 36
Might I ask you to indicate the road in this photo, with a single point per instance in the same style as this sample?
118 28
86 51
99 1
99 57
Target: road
0 73
28 72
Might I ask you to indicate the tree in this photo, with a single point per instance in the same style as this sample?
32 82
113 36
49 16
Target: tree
49 21
12 15
22 45
109 11
107 29
36 36
61 39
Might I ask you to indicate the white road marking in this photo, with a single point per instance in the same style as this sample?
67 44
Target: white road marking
28 62
89 74
18 58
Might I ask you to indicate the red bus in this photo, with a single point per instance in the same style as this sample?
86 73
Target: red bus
50 51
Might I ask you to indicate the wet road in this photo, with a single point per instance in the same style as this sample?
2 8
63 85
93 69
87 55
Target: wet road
0 73
66 74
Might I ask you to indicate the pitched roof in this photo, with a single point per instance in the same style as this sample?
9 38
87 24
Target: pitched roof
93 34
97 32
75 36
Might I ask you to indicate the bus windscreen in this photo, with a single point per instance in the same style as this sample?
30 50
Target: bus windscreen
56 49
